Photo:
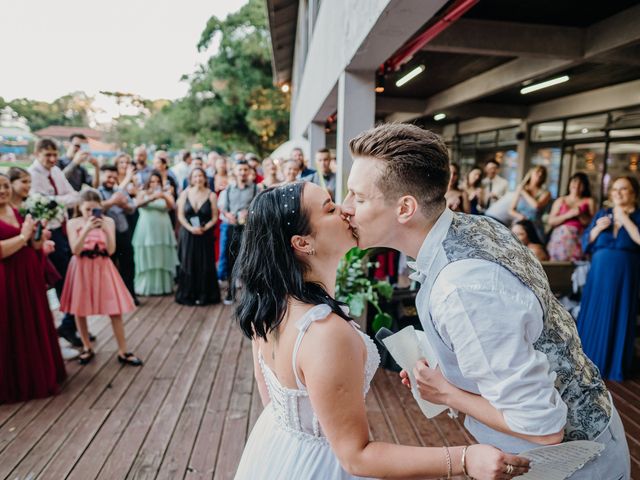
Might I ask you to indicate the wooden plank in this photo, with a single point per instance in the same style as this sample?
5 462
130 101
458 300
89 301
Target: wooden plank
64 419
25 416
398 420
256 408
71 399
124 453
75 445
379 429
234 434
176 458
158 344
205 451
151 453
8 410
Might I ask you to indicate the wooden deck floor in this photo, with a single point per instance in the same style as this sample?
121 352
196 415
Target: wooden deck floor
181 416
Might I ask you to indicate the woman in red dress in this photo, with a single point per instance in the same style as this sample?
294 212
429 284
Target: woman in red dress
32 366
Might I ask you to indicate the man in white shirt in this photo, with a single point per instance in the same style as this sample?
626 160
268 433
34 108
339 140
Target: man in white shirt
47 179
509 355
495 187
183 168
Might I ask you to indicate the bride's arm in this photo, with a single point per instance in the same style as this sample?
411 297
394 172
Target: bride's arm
331 361
257 372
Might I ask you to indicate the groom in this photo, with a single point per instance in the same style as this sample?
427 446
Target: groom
509 355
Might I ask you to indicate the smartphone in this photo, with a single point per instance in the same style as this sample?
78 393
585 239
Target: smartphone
96 212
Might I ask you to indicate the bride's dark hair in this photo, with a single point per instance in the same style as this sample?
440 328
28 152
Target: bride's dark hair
267 266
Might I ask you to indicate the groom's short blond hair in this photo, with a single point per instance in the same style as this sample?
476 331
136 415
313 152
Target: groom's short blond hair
416 163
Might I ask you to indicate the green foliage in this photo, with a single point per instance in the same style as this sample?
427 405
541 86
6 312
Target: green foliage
232 103
72 109
355 288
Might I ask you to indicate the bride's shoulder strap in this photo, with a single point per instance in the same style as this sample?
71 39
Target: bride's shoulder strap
319 312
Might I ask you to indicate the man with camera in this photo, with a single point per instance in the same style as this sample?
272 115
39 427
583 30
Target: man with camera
71 164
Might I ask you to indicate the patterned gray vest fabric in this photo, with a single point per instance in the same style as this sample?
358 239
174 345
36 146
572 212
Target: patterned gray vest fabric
578 379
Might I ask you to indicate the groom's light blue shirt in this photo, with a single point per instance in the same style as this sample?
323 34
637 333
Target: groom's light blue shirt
490 320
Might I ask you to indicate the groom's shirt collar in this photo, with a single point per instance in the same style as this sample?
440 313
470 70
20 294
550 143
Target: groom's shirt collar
431 246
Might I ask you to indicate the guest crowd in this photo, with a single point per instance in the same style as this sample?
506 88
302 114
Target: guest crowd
126 229
133 228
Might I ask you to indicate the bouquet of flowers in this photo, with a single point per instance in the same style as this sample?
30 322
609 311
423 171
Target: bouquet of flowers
42 208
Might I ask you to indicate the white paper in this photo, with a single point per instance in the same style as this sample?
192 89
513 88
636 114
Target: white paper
557 462
407 347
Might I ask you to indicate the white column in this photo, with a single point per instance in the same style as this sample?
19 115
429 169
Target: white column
356 113
317 140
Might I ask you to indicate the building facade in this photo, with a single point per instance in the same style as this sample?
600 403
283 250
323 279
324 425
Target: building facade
527 83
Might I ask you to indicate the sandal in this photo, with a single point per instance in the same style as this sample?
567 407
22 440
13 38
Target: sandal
129 359
86 356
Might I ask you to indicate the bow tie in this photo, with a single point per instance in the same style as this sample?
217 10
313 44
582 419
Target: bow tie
417 275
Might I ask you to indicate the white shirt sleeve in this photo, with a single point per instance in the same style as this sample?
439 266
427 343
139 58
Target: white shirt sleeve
66 196
491 320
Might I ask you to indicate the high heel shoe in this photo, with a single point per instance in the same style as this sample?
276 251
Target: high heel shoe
86 356
130 359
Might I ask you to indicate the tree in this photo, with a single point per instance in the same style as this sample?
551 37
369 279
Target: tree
235 89
72 109
231 103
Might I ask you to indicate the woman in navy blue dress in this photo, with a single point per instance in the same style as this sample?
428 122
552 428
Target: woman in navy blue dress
608 312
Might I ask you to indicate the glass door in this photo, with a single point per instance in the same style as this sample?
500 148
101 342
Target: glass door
550 158
622 160
588 158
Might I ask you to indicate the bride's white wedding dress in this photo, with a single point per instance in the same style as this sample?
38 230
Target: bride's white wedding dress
287 441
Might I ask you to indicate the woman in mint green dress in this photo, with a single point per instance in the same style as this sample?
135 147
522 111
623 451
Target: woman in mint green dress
154 242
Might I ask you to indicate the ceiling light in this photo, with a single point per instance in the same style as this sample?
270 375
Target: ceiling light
412 74
285 88
584 130
439 116
379 89
541 85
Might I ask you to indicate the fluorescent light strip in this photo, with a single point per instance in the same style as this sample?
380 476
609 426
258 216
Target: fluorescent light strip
412 74
541 85
439 116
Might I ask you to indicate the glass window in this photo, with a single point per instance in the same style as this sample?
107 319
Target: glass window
487 138
507 136
551 159
467 161
543 132
586 127
468 139
628 132
509 167
623 160
589 158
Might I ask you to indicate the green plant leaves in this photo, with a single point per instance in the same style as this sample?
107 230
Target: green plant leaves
381 320
356 289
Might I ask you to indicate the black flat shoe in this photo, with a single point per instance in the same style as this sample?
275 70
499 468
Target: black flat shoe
86 356
130 359
70 336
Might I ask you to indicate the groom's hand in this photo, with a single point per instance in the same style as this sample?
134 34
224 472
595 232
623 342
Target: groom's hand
431 384
404 377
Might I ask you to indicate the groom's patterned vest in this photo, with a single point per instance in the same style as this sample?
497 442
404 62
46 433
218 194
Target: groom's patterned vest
578 379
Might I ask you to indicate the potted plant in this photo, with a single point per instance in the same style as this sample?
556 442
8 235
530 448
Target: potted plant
355 288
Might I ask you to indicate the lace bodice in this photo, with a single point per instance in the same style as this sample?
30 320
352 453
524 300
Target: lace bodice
292 407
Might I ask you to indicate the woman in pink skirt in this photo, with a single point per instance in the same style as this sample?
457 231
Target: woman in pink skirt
93 285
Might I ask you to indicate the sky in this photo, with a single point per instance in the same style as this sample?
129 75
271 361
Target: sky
50 48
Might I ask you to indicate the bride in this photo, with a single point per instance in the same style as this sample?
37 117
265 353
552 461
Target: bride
312 365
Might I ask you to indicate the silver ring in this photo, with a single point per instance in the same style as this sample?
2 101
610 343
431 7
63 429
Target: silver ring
509 469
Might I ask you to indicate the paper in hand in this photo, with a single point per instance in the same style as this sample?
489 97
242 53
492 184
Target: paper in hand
557 462
407 347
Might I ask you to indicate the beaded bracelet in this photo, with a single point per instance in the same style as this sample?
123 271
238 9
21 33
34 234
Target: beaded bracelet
449 471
